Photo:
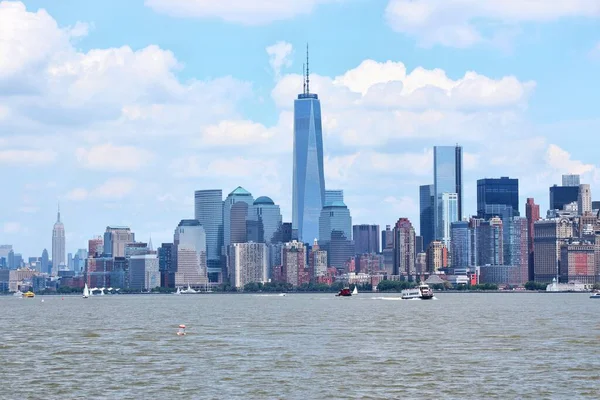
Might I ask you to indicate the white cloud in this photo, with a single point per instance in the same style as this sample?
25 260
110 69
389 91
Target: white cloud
108 157
12 227
112 189
256 12
560 159
28 158
279 56
462 23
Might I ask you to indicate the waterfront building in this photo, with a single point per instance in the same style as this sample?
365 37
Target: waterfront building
560 196
584 199
490 244
570 180
190 234
115 239
335 216
370 263
500 275
308 192
95 246
436 256
238 195
532 212
404 251
99 272
339 249
516 248
167 264
388 243
208 210
58 244
366 238
447 214
293 261
317 261
578 262
238 225
447 178
248 263
421 263
549 236
143 272
497 197
188 267
460 242
268 217
426 213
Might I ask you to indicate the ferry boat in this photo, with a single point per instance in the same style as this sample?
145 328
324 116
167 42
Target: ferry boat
595 296
423 292
345 292
28 295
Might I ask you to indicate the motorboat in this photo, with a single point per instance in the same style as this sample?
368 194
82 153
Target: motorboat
29 295
18 293
345 292
423 292
595 296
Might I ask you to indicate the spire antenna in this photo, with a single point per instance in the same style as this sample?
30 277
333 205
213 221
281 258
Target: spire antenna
303 80
307 72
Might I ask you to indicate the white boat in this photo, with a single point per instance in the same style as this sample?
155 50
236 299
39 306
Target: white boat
189 290
178 290
355 291
423 292
18 293
595 296
86 292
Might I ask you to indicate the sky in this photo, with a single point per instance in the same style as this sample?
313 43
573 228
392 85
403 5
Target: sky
119 110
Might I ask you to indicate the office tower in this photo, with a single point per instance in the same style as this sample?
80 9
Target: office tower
447 214
334 195
418 244
95 246
208 209
284 234
317 261
339 249
188 267
335 216
447 178
167 264
387 243
436 256
497 198
460 244
421 263
137 249
10 259
308 196
404 252
239 195
578 262
144 272
549 236
45 262
366 239
532 212
5 249
570 180
190 234
115 239
426 220
584 199
293 261
595 206
70 262
248 263
516 248
58 245
238 227
490 244
560 196
268 216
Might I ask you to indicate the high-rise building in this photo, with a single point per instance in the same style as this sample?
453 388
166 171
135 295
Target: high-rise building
447 178
46 262
284 234
95 247
334 217
115 239
447 214
58 245
188 267
460 242
388 246
516 247
208 207
421 263
190 234
560 196
490 237
249 263
436 256
293 261
366 239
167 264
532 212
549 236
339 249
578 263
419 244
426 206
584 199
497 197
570 180
268 216
239 195
404 252
308 197
5 249
238 226
334 195
317 261
143 272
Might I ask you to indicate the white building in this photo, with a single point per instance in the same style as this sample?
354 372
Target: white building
191 268
248 263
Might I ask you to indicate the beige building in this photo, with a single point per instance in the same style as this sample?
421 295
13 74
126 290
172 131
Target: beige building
248 263
549 235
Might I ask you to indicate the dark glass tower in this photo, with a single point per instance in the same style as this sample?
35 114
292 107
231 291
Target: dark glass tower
447 178
426 205
308 195
497 197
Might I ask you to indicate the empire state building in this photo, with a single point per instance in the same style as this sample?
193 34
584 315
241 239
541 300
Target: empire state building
58 245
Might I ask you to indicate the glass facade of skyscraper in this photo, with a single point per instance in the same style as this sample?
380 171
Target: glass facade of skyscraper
239 194
460 249
447 178
208 206
426 205
448 213
308 195
496 196
334 195
335 217
268 214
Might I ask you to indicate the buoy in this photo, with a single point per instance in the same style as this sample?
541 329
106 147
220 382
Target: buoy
42 300
181 331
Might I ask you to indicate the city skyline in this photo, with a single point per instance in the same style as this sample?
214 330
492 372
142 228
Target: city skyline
104 173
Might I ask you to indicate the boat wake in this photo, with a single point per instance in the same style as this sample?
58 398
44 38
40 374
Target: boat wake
399 298
270 295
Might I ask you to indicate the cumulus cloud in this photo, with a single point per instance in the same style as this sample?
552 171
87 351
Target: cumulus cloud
112 189
256 12
462 23
279 56
108 157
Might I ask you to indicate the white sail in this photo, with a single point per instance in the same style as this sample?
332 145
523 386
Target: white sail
86 292
355 291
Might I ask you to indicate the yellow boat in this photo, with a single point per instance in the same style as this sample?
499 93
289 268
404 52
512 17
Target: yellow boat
28 294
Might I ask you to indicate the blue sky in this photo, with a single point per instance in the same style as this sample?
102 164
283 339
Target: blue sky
120 110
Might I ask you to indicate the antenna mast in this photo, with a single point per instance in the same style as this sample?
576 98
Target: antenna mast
303 80
307 72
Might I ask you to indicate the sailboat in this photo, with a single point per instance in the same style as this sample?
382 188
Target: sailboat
355 291
178 290
86 292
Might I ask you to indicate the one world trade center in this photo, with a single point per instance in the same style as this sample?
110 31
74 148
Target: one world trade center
309 181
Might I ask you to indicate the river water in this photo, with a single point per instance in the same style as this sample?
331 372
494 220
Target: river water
301 346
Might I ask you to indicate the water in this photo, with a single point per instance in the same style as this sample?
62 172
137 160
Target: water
302 346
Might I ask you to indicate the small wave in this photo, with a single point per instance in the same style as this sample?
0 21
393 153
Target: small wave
269 295
387 298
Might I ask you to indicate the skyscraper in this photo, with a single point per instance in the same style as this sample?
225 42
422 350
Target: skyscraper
563 195
447 177
190 241
293 261
208 207
308 195
570 180
490 244
238 227
426 205
334 217
115 240
58 245
447 212
549 236
268 215
366 238
45 262
238 195
584 199
248 263
532 213
497 197
516 251
404 251
460 244
334 195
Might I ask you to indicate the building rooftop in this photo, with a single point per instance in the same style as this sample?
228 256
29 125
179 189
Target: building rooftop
117 227
189 222
335 204
240 191
264 200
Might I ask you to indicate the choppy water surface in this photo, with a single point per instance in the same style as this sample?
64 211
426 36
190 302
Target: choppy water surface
301 346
